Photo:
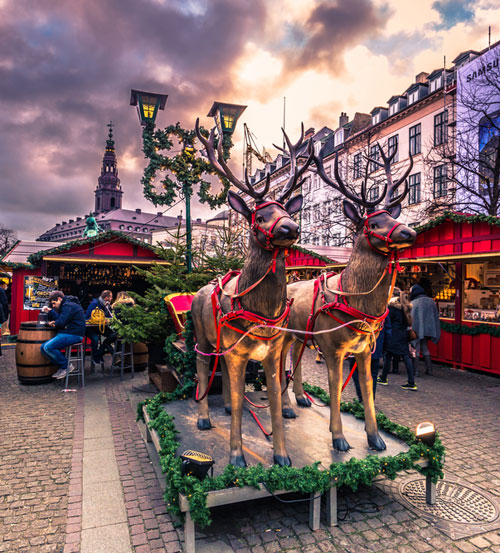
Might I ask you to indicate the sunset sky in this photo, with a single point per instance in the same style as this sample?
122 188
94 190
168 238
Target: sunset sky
67 67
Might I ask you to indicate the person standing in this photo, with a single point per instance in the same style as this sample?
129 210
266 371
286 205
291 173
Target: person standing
399 344
68 318
425 323
100 309
4 309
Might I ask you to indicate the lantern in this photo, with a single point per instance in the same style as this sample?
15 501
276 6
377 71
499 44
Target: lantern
148 104
226 116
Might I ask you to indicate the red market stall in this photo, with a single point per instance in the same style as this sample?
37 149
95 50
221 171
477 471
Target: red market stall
81 267
457 258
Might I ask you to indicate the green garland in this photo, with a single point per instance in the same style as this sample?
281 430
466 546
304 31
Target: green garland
457 218
186 166
312 254
310 479
36 258
13 265
475 330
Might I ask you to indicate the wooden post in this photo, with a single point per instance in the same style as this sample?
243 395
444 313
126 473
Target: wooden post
430 491
331 507
314 511
189 534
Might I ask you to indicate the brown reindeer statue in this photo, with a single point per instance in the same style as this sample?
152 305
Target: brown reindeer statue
359 293
236 315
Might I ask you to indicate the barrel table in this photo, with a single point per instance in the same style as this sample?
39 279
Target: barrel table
32 366
141 356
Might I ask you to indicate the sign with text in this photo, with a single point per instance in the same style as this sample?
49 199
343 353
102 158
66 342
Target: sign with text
37 291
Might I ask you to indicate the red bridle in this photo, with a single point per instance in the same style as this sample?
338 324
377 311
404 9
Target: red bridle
369 232
267 233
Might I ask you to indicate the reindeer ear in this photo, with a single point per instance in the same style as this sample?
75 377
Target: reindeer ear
395 211
238 204
351 212
294 204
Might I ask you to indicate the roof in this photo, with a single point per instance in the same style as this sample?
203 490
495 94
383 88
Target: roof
334 253
22 249
378 108
463 55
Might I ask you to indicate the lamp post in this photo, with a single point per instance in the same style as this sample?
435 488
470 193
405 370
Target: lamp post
186 169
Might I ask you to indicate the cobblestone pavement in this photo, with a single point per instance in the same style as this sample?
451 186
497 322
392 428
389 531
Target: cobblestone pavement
36 439
36 460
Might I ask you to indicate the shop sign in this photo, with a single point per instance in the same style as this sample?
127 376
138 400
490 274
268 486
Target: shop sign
37 291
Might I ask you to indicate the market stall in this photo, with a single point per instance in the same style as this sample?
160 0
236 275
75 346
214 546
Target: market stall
82 268
456 258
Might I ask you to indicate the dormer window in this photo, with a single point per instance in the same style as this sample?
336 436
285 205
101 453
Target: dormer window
393 108
317 148
413 97
376 118
436 83
339 137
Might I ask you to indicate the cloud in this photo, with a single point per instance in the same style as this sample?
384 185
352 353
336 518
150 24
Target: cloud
453 12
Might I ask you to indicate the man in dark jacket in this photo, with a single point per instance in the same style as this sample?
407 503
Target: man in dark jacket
68 318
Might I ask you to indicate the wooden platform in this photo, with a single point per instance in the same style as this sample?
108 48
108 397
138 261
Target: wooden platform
308 440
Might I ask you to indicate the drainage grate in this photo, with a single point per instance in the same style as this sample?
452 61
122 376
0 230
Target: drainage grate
454 502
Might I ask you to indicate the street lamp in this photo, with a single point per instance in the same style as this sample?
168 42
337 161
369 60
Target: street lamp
226 116
426 433
148 104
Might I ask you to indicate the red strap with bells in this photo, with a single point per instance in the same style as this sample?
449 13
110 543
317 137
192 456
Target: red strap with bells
267 233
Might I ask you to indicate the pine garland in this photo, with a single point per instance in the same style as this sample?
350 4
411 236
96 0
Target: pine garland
36 258
458 218
187 168
475 330
310 479
13 265
312 254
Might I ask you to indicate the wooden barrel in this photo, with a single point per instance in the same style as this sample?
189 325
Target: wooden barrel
141 356
32 366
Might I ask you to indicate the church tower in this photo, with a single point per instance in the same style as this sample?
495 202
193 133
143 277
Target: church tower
108 194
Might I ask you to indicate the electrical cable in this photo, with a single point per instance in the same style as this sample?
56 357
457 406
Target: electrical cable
289 500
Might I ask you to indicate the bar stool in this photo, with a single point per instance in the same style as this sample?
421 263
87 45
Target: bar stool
122 350
75 354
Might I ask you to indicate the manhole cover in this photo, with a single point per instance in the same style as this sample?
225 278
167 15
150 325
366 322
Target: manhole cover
454 502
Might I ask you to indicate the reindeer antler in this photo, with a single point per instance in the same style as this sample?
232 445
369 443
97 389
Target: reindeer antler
223 169
294 181
389 186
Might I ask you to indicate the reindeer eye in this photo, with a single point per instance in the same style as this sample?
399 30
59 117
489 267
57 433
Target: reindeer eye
260 219
374 225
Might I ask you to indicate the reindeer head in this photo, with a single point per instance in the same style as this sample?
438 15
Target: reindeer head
270 220
383 233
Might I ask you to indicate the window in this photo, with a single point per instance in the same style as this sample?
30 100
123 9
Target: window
129 227
392 145
316 182
137 229
373 193
316 213
357 166
112 202
122 227
393 108
376 118
437 83
414 189
336 239
145 229
415 136
440 181
413 97
441 128
375 155
307 185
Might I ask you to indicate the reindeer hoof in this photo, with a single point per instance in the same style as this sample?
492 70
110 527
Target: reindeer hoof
227 409
376 442
282 460
303 402
340 444
288 413
237 461
204 424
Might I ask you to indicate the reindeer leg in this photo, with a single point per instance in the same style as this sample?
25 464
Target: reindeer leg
236 368
202 370
286 406
298 390
272 368
366 384
226 395
334 363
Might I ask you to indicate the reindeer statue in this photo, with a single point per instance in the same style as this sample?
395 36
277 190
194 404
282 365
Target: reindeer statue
226 313
357 296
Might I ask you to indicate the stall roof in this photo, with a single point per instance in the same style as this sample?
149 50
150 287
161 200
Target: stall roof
22 249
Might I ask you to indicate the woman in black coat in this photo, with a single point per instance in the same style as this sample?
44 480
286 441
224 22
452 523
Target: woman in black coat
398 344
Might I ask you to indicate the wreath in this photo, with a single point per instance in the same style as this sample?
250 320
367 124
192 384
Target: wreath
187 168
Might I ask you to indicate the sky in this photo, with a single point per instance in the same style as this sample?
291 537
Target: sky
66 70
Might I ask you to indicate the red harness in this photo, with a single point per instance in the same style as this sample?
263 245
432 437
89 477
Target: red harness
222 319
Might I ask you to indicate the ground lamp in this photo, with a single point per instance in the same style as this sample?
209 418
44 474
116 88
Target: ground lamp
148 104
196 463
426 433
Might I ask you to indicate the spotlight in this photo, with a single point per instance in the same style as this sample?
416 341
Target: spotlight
426 433
196 463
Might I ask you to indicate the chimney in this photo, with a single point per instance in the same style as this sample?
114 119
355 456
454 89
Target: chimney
309 133
71 221
78 218
343 119
421 77
137 210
